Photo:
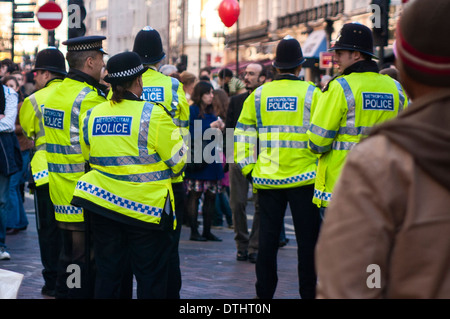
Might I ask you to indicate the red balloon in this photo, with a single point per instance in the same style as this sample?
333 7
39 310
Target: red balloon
229 12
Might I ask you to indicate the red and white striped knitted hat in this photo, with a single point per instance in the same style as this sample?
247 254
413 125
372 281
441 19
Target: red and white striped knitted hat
422 41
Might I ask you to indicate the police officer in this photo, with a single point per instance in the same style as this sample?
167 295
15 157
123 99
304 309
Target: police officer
352 103
134 149
278 113
50 70
169 92
79 92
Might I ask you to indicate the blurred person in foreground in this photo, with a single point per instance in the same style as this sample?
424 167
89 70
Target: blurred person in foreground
392 240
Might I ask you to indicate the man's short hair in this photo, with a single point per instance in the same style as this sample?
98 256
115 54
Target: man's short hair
263 68
224 73
77 59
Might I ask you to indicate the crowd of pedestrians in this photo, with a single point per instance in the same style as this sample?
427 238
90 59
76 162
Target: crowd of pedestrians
17 82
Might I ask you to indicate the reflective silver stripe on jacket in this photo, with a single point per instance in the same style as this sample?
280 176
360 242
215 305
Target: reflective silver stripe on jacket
284 144
175 99
319 149
258 105
246 161
86 127
177 157
75 118
351 103
66 168
74 147
401 96
143 158
317 130
283 128
64 149
180 123
38 112
307 106
343 146
245 139
141 178
245 127
42 147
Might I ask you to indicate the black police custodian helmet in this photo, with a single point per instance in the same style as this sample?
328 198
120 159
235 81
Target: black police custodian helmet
149 46
50 59
124 67
355 37
289 54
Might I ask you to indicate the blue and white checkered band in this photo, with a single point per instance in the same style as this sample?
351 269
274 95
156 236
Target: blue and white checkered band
86 46
126 73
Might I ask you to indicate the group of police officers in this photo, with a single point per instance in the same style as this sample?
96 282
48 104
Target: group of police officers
108 168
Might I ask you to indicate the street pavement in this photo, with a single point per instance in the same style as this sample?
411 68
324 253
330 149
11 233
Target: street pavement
209 269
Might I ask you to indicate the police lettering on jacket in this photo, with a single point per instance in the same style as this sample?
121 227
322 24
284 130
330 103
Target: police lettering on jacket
282 103
378 101
54 119
154 94
112 125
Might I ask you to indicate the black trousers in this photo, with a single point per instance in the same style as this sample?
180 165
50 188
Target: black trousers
77 250
147 250
50 239
174 281
306 218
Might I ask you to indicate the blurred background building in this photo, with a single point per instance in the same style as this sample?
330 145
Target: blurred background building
193 34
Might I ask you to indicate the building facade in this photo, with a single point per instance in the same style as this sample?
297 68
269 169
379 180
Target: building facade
315 23
193 34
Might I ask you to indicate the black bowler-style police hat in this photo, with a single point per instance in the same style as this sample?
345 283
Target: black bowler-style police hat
50 59
355 37
89 43
149 46
289 54
124 67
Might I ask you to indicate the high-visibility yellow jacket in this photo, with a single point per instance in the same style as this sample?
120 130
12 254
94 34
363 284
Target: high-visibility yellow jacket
168 91
32 123
346 112
66 164
134 149
278 114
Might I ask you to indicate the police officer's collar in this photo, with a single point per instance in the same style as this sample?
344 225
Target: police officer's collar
362 66
152 66
286 76
358 67
54 79
131 96
80 76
